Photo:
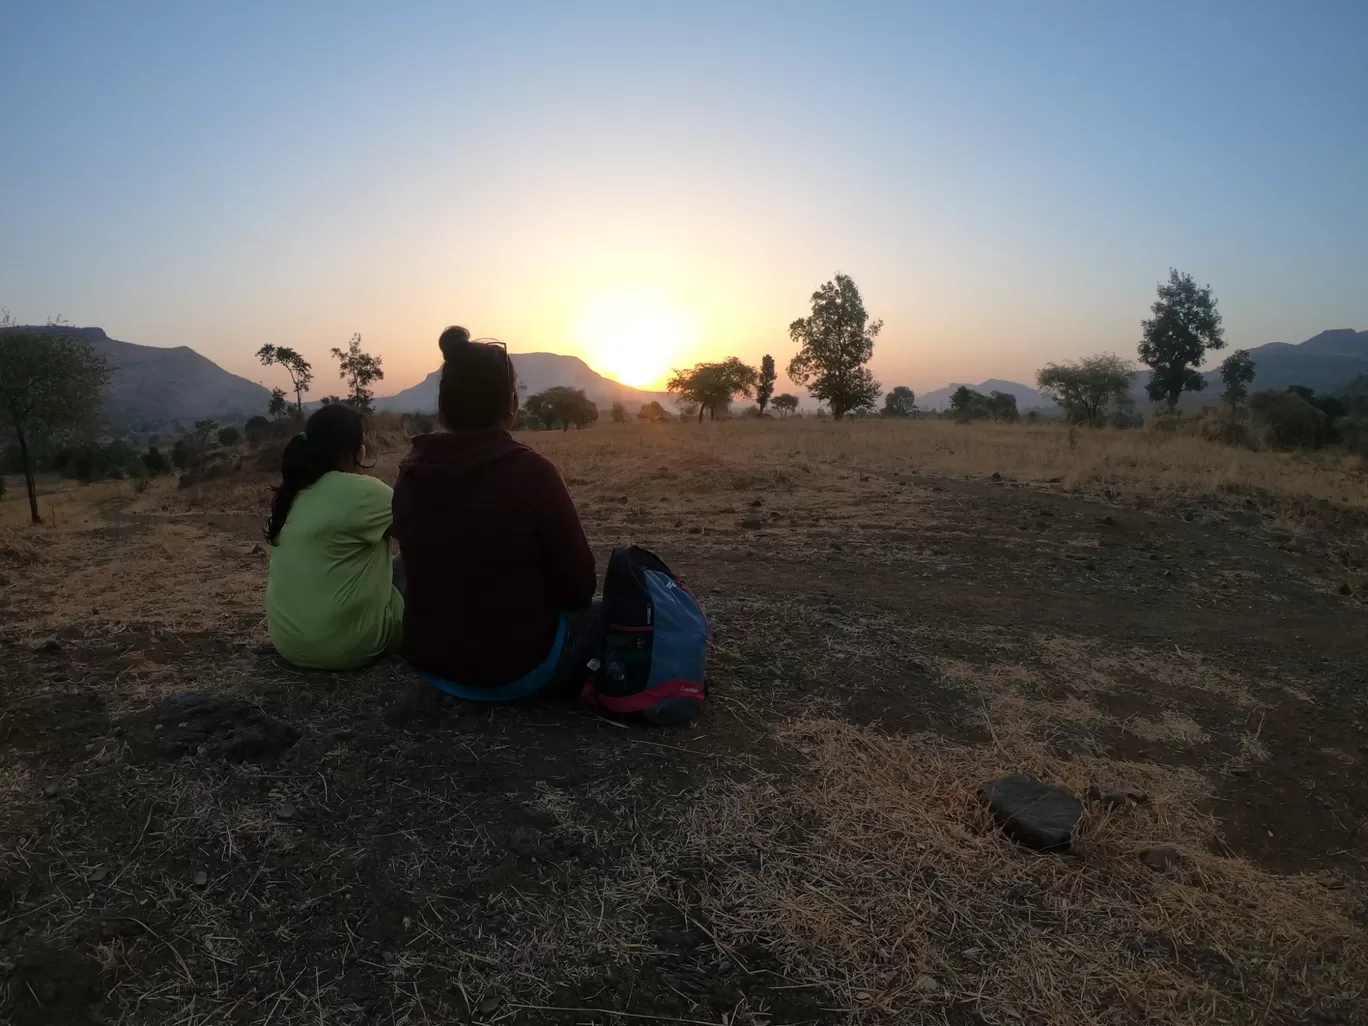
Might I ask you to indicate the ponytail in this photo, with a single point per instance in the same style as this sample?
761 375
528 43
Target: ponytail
330 437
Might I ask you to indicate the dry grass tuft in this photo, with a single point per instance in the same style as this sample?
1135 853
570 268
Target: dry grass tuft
884 883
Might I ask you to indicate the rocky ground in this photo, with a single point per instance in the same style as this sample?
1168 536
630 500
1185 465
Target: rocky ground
194 832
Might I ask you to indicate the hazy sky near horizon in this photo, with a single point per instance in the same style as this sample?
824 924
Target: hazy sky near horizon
648 184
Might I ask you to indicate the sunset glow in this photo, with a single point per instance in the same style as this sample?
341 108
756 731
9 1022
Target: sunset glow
635 336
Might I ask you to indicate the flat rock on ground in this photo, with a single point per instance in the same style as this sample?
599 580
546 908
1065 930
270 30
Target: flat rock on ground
1040 816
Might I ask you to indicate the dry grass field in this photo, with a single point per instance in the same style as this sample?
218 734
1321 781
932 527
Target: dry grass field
900 612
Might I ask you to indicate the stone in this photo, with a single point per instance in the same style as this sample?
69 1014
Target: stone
256 550
926 985
1162 858
97 874
1344 589
265 740
51 789
752 523
179 707
285 810
488 1005
201 878
1037 815
997 476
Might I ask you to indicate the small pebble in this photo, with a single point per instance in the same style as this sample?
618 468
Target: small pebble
51 789
926 985
97 874
201 878
488 1005
285 810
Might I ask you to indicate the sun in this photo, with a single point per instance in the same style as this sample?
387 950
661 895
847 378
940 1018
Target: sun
634 336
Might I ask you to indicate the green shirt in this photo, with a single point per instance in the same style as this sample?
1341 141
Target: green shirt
330 600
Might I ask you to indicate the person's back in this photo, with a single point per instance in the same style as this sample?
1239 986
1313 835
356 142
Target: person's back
330 600
500 576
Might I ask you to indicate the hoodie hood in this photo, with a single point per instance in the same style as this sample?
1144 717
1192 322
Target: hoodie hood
454 455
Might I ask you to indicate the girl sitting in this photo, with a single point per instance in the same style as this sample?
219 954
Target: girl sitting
500 576
331 603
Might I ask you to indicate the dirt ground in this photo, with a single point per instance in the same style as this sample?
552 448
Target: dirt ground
192 832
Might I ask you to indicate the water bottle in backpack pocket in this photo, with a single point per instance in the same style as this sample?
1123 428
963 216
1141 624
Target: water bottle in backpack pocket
656 642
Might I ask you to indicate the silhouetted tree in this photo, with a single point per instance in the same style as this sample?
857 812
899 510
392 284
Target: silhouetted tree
277 407
619 413
562 406
835 343
50 380
785 404
360 370
651 412
764 387
712 386
228 436
900 402
1237 373
1003 406
1086 388
256 429
155 462
299 369
1177 338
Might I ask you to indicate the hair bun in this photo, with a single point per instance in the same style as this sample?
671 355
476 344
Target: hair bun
452 340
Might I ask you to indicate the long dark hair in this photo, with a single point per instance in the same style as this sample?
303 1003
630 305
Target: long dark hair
331 437
477 382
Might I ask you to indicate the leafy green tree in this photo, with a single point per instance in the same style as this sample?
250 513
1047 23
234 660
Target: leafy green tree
277 407
1003 406
155 462
360 370
764 387
299 369
205 430
969 404
619 413
1185 326
51 380
1287 418
561 407
901 402
1237 372
785 404
228 436
1084 389
652 412
835 344
712 386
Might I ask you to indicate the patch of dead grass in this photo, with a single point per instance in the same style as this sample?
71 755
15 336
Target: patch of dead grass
882 881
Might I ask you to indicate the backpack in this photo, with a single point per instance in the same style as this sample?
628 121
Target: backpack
655 646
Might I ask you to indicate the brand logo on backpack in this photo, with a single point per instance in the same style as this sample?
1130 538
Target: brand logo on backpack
656 643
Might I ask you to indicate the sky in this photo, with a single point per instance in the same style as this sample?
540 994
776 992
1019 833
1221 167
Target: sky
647 185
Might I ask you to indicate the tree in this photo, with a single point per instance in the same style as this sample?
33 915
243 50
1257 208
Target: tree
785 404
835 343
712 386
205 430
228 436
1085 388
1237 372
968 404
900 402
360 370
51 380
256 429
652 412
155 462
277 407
764 388
1003 406
619 413
299 369
1185 326
1288 418
562 406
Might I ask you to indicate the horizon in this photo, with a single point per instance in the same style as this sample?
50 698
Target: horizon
646 190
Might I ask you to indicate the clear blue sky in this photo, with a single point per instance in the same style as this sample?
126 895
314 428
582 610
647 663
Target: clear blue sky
1005 182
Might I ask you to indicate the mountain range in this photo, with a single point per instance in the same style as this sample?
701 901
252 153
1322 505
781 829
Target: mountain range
151 387
536 373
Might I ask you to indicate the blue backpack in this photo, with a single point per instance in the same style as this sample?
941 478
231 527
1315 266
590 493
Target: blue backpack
656 642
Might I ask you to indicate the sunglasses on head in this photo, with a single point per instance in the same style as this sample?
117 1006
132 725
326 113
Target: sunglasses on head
508 361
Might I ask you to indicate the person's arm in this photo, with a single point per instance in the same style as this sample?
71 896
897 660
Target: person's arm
375 511
569 560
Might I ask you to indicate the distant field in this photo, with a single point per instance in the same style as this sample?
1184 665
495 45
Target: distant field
900 611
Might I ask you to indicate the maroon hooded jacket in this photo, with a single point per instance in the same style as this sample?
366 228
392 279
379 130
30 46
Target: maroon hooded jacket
493 551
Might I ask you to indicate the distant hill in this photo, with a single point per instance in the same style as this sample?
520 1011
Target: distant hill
1027 398
538 372
151 387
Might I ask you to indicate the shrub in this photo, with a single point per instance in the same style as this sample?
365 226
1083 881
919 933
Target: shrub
228 436
155 462
1287 419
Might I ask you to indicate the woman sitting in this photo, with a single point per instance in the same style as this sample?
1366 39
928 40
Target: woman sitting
331 603
500 576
